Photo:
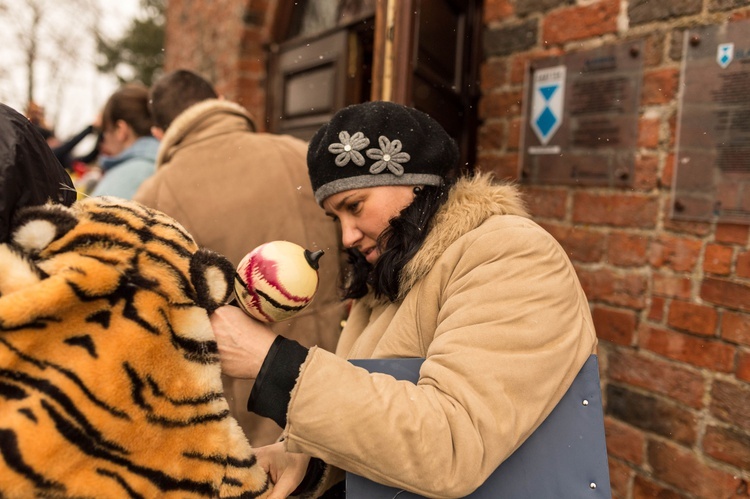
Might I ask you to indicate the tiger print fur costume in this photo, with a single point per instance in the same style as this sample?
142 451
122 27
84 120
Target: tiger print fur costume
109 373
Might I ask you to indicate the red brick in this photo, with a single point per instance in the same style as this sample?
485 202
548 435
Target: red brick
514 134
579 22
680 383
621 210
648 132
504 166
665 180
677 253
653 50
717 259
652 414
620 476
739 16
252 40
520 62
692 317
656 311
581 245
682 469
624 441
726 293
729 403
727 445
616 326
743 264
623 290
735 327
672 122
546 202
252 65
493 74
627 250
491 135
497 10
687 227
699 229
732 233
500 105
672 286
644 488
646 172
743 366
660 86
699 352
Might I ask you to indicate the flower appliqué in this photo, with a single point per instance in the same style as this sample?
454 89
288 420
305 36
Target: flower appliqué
348 149
388 156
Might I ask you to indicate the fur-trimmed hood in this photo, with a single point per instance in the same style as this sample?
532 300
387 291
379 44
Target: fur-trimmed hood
470 202
203 120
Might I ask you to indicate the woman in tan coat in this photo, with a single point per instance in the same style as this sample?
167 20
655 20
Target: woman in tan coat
450 270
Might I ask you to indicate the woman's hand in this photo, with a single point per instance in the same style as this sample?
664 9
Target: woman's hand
243 342
285 469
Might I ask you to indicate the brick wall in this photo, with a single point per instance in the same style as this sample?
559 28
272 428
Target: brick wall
230 51
671 300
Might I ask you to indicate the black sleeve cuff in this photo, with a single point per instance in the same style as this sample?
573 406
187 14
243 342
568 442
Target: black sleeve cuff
272 389
314 473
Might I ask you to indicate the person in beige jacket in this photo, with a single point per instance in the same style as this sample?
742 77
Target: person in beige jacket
454 271
234 189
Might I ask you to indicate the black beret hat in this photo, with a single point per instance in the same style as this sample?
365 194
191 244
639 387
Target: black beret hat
378 143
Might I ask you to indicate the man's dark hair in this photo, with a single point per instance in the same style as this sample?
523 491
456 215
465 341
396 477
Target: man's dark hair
174 92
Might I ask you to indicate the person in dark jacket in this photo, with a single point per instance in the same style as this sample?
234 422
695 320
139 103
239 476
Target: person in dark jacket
64 151
29 172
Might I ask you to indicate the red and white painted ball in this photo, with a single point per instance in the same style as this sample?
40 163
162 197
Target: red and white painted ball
276 280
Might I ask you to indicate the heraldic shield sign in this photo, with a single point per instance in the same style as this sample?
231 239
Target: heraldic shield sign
712 160
725 54
581 116
548 100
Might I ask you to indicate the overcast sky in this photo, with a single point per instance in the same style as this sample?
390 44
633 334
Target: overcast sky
82 90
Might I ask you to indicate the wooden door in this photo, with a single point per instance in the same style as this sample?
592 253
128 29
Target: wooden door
422 53
323 64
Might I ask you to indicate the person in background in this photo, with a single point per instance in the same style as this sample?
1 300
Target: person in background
234 189
79 167
452 270
127 147
29 172
64 151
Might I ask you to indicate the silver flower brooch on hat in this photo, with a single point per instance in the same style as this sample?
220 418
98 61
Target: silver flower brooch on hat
389 155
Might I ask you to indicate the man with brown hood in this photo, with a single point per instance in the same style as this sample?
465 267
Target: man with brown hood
233 189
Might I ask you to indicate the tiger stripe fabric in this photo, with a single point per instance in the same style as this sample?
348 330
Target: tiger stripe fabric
110 382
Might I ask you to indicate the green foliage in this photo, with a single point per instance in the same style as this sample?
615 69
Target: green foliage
139 54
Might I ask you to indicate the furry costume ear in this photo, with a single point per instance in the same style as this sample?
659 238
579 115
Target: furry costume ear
37 226
212 275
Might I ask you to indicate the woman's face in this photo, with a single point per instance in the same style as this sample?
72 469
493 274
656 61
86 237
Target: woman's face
364 214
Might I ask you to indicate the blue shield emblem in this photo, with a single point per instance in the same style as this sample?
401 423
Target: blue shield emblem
725 54
547 102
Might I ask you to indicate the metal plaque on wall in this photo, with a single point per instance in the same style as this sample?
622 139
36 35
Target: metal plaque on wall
581 117
712 170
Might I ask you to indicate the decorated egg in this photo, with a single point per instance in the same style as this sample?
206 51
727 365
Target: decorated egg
276 280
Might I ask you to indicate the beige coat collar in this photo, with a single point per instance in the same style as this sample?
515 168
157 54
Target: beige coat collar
198 117
471 201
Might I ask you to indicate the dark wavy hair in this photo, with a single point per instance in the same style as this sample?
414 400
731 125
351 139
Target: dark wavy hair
400 241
